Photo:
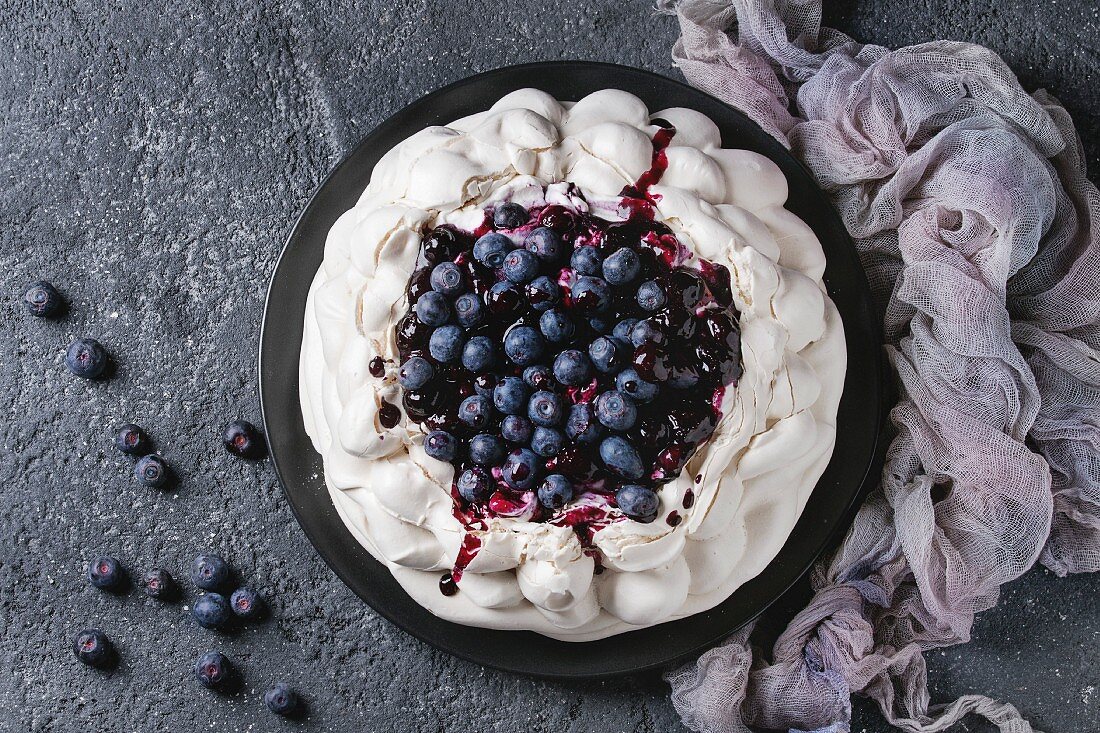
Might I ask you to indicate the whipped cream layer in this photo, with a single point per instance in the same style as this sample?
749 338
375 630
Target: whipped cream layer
740 494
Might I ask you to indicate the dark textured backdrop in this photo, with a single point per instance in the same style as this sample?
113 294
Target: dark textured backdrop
154 159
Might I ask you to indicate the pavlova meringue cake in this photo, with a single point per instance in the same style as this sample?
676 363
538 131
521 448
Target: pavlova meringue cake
571 366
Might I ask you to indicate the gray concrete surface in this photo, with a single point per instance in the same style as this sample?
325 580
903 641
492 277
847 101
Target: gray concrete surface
153 158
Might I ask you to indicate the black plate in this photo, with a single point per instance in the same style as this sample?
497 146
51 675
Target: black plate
829 508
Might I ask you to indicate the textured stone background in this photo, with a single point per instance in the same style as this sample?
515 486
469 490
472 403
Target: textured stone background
153 159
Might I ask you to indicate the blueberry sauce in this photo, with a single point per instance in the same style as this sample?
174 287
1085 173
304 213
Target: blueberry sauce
388 415
377 367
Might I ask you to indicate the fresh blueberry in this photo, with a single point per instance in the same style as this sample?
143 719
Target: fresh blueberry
591 294
543 293
475 411
415 373
572 368
582 426
637 502
485 450
433 309
621 458
523 345
42 299
86 358
504 299
478 354
547 442
651 296
586 261
152 471
510 396
468 310
545 244
211 610
447 279
212 669
441 445
209 572
644 332
445 344
157 583
622 266
616 410
509 216
555 491
243 439
520 266
556 326
106 573
489 249
623 328
473 484
544 409
538 376
521 469
246 603
132 440
629 383
280 699
92 647
515 429
606 355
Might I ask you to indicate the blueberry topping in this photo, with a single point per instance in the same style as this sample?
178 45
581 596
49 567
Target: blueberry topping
106 573
621 458
478 354
556 326
473 484
211 610
209 572
415 372
615 410
629 383
504 299
246 603
586 261
606 355
445 344
544 409
485 450
132 440
555 491
42 299
538 377
543 293
280 699
152 471
646 332
441 445
572 368
621 267
447 279
86 358
623 328
520 266
157 583
637 502
601 324
516 429
243 439
441 243
475 411
547 442
469 311
582 426
509 216
510 396
212 669
490 249
545 243
433 309
92 647
591 295
523 345
651 297
521 469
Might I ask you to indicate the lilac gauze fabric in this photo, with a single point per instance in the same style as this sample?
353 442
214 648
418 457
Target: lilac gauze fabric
980 235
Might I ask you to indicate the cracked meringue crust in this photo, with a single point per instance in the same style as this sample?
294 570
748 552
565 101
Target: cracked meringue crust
740 494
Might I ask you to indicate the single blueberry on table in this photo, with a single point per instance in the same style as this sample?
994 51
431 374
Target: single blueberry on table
520 266
572 368
547 442
638 502
441 445
280 699
555 491
523 345
243 439
447 279
582 426
475 411
586 261
433 309
621 458
591 295
211 610
486 450
629 383
544 409
510 396
86 358
106 573
157 583
606 355
132 440
212 669
445 344
556 326
478 354
246 603
209 572
473 484
92 647
651 296
469 311
152 471
415 373
515 429
623 328
42 299
543 293
509 216
521 469
538 376
545 243
489 249
615 410
622 266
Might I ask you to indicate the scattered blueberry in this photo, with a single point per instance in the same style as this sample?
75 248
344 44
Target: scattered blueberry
468 310
212 669
152 471
543 293
211 610
157 583
243 439
447 279
651 297
556 326
591 294
544 409
520 266
445 344
92 647
473 484
86 358
246 603
433 309
415 372
638 502
606 355
106 573
510 396
485 450
132 440
209 572
615 410
545 244
621 457
621 267
523 345
586 261
556 491
547 442
478 354
42 299
280 699
509 216
582 426
573 368
490 249
441 445
475 411
521 468
629 383
515 429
